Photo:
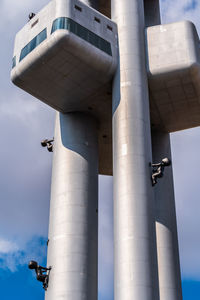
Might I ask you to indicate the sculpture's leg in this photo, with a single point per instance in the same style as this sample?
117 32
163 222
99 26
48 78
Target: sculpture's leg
73 229
135 274
166 228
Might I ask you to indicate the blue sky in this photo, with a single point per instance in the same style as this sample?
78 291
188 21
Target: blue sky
26 173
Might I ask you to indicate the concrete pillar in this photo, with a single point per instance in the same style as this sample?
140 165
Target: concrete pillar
166 228
73 221
135 273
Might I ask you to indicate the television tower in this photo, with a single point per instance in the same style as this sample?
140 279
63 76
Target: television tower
120 82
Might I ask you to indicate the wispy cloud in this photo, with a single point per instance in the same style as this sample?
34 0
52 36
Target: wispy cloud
13 256
11 9
191 5
7 247
179 10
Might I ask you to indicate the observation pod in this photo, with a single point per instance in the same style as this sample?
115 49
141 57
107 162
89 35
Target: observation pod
174 76
66 56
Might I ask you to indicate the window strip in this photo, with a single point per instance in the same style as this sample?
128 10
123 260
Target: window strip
36 41
97 20
78 7
109 27
14 62
83 33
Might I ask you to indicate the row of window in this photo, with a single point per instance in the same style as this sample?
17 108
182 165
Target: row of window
33 44
14 62
83 33
72 26
95 18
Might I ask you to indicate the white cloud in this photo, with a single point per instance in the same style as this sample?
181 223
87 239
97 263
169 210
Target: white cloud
15 255
11 9
22 107
7 246
174 11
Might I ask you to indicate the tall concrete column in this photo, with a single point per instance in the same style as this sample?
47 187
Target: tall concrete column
135 273
166 228
73 221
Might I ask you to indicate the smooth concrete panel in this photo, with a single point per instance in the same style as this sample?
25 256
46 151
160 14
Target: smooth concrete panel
166 227
174 76
77 63
135 264
73 221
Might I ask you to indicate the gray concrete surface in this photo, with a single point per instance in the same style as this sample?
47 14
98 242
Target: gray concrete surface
135 264
73 221
77 68
166 227
174 75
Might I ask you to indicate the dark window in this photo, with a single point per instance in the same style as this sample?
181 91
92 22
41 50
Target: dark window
14 62
78 7
41 37
83 33
33 44
97 20
32 25
109 27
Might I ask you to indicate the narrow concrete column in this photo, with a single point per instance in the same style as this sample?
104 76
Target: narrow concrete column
166 228
135 273
73 221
